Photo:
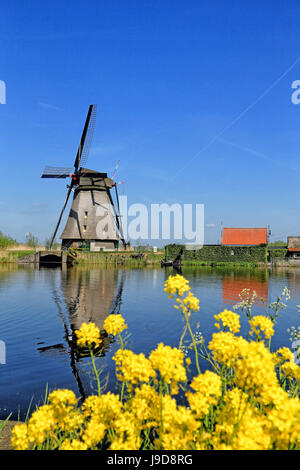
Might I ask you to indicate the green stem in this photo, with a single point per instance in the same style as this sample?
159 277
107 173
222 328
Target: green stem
123 383
96 372
160 415
182 336
194 343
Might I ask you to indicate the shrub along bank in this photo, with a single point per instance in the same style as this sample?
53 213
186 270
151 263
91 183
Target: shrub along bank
218 254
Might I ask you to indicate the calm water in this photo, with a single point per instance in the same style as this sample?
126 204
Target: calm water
40 309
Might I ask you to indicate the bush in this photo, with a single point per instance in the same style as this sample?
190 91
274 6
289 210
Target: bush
218 254
31 240
6 241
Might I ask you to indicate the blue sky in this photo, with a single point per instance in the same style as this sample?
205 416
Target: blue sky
194 99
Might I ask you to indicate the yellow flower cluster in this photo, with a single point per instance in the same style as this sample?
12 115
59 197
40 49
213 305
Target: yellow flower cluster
170 364
226 347
252 432
179 426
106 408
133 368
229 320
114 324
60 414
208 389
176 285
255 373
88 335
261 323
284 358
189 303
19 439
283 354
145 406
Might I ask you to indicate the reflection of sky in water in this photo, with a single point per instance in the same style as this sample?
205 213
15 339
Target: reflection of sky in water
41 308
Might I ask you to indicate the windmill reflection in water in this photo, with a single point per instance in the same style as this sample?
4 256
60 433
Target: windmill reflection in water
86 295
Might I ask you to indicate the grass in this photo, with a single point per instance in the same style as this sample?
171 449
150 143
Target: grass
220 263
7 256
119 258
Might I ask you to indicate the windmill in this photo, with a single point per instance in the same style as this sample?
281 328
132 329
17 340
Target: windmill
94 222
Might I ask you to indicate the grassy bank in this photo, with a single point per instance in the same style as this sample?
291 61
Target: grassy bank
128 259
136 259
228 264
12 256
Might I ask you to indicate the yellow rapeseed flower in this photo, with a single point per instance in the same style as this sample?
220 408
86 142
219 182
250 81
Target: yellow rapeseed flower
208 389
114 324
176 285
41 423
284 418
170 364
188 303
62 398
255 372
239 425
88 335
179 425
94 433
75 444
105 408
283 354
226 347
19 437
261 323
63 402
228 319
144 406
133 368
126 433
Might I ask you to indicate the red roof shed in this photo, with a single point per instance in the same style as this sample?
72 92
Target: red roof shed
244 236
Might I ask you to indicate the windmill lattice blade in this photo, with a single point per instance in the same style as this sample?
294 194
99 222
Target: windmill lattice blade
61 214
115 170
56 172
86 138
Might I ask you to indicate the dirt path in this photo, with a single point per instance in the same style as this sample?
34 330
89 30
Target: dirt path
5 435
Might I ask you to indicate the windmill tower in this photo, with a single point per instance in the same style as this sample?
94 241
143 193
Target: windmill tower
93 223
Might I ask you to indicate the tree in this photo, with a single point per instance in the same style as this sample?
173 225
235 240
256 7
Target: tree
6 240
31 240
48 244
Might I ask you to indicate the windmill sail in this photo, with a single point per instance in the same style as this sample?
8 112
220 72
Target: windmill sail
86 138
60 217
56 172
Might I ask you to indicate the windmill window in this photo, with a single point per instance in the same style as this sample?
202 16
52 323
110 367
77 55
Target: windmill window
85 213
84 228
